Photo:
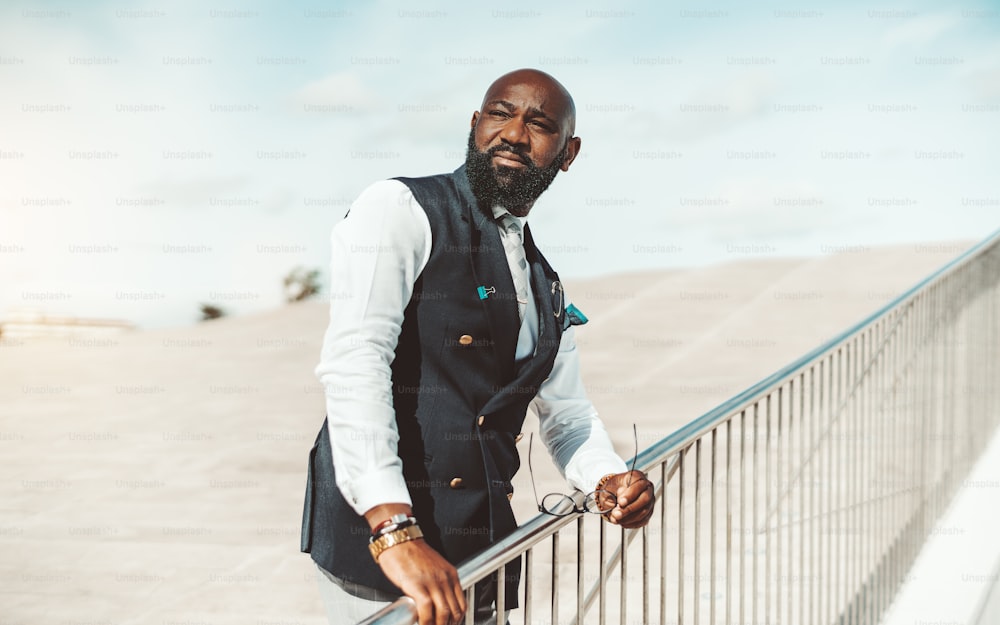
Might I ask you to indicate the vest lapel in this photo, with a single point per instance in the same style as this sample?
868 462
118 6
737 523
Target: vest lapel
490 268
534 369
549 305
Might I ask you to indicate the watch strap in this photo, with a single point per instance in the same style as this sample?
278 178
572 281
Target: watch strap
393 538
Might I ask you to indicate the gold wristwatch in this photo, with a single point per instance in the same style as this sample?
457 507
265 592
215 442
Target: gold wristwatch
391 539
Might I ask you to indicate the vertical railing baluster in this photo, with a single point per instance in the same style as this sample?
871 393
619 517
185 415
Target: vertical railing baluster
830 484
803 459
663 544
814 587
754 518
856 496
913 408
580 570
645 573
623 580
602 572
850 446
555 578
895 381
877 514
680 536
904 428
934 410
920 414
697 530
837 479
872 417
470 602
743 509
907 432
767 504
528 594
900 486
948 413
778 519
865 371
729 521
711 572
501 603
922 459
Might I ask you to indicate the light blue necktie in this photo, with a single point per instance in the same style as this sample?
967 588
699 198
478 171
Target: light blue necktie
513 244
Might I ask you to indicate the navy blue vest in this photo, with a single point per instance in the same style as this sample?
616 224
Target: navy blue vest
459 404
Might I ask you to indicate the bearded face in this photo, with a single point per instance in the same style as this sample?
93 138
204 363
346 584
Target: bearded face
516 189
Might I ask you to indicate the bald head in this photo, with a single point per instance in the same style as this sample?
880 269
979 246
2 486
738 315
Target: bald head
542 89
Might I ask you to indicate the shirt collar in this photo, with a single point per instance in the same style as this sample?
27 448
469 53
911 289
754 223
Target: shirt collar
498 211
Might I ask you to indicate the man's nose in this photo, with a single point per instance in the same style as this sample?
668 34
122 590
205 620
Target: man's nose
514 132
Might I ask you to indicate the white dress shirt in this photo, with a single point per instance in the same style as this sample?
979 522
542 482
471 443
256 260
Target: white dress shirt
378 252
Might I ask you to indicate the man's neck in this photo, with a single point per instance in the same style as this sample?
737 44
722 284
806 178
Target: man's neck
499 211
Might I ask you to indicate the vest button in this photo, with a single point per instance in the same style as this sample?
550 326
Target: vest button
456 482
520 435
465 339
481 420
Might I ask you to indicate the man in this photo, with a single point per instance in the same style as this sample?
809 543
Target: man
445 324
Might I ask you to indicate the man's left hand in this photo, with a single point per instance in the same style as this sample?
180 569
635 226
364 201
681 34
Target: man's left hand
635 503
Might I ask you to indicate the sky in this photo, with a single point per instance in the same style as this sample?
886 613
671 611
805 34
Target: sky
156 156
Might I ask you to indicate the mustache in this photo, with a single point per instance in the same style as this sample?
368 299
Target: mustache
520 154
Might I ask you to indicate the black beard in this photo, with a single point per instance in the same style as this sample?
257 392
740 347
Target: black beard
514 189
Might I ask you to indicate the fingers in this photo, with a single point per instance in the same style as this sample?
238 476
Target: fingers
454 600
606 501
635 502
442 610
437 606
430 580
425 609
442 603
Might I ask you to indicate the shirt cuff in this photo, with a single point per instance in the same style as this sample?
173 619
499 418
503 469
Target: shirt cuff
375 488
587 468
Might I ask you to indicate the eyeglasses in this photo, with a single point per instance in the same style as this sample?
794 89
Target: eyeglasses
597 502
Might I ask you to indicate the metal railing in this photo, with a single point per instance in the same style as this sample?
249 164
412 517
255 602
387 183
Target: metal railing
820 485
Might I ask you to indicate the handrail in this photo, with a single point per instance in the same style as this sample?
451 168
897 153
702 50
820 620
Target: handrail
920 316
690 431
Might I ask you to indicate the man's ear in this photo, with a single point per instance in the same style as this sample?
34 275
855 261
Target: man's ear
475 118
572 149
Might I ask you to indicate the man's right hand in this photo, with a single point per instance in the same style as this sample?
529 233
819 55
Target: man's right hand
427 578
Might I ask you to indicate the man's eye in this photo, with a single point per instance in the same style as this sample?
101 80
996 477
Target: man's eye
499 114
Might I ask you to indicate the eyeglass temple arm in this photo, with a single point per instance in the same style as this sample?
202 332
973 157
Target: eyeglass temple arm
531 472
635 456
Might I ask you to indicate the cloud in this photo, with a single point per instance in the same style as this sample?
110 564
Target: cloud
759 208
981 74
918 31
195 191
342 92
706 112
